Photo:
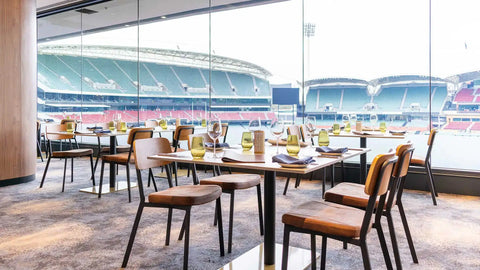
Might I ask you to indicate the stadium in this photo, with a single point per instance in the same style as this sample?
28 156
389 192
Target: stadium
175 84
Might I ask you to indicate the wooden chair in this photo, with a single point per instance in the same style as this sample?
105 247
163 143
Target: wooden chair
343 223
66 154
179 197
181 134
151 123
351 194
102 150
224 132
65 121
39 148
125 158
229 184
426 164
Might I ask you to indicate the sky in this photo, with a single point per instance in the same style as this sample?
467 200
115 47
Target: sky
355 39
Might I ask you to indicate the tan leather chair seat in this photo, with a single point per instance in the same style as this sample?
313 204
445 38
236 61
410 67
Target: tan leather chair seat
417 161
72 153
120 149
178 149
326 217
186 195
233 181
350 194
119 158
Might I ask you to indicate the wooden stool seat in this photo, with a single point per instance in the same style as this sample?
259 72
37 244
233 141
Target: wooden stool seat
72 153
121 158
119 148
328 218
417 161
233 181
186 195
350 194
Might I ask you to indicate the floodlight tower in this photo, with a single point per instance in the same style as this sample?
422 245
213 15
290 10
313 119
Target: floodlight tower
308 32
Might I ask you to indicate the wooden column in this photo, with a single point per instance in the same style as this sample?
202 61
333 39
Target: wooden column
18 91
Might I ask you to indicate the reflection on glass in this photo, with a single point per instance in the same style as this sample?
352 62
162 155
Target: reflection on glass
247 142
323 139
198 148
293 146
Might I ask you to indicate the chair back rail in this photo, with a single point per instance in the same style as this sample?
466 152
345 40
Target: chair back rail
49 129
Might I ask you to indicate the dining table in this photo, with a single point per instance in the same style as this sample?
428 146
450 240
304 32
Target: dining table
243 160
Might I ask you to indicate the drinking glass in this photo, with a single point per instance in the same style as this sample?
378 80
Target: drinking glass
323 139
353 119
293 146
163 124
247 141
255 124
123 126
111 125
277 128
336 129
204 122
70 127
214 129
383 127
311 125
197 148
373 120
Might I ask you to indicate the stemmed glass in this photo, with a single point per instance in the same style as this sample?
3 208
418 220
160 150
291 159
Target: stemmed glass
214 129
255 124
277 128
373 120
311 125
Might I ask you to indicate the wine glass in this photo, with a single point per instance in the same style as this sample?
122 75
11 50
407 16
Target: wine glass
373 120
277 128
255 124
323 139
214 129
311 125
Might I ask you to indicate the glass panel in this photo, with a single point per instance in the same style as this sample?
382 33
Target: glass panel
253 49
367 60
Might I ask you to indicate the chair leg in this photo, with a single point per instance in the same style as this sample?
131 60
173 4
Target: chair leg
260 209
333 175
194 174
345 245
71 172
64 174
215 217
132 235
169 225
169 175
128 183
393 238
343 171
365 257
430 183
182 230
313 251
297 180
323 182
45 172
93 171
101 180
218 206
39 149
286 186
187 239
323 259
175 170
150 174
383 244
230 222
286 242
407 231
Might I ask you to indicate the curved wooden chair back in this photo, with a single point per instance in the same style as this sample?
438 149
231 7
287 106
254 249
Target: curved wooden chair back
224 131
378 176
149 147
404 153
57 128
431 138
136 135
151 123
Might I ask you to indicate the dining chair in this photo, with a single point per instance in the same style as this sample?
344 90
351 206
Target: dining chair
39 148
65 121
178 197
351 194
152 123
102 150
125 158
426 164
181 134
50 135
229 184
340 222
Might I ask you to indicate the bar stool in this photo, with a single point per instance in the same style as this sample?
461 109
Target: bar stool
229 184
179 197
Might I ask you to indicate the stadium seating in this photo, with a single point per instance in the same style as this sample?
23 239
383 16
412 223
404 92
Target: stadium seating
475 126
389 99
326 95
418 95
190 76
243 84
354 99
464 96
457 125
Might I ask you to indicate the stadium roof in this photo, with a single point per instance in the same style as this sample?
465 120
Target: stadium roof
160 56
336 81
464 77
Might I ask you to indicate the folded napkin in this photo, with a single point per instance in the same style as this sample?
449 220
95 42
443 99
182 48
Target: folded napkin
398 132
210 145
326 149
231 156
101 131
93 128
286 159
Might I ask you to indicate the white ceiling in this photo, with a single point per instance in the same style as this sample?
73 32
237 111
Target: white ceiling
120 12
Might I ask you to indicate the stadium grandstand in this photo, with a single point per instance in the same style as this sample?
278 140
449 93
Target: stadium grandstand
171 83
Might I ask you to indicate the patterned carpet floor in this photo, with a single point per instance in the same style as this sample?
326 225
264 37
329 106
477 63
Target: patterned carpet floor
47 229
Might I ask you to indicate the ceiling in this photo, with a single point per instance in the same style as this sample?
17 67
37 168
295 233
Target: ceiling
117 13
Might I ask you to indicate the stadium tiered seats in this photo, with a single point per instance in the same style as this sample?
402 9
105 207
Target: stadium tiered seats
354 99
475 126
418 95
220 84
439 98
389 99
457 125
464 96
165 75
190 76
326 96
263 87
311 101
243 84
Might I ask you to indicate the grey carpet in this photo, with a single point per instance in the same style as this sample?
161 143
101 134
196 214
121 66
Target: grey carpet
47 229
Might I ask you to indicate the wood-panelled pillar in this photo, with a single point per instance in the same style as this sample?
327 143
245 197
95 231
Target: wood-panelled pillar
18 91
